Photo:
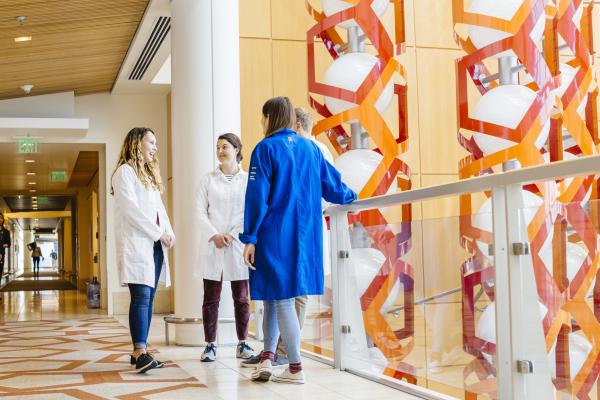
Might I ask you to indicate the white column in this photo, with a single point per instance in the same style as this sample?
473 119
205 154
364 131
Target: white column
28 237
205 84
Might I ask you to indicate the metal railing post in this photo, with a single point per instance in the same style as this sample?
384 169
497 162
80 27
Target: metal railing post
522 365
336 221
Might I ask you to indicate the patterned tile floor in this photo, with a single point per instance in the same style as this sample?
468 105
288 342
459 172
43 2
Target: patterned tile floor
52 347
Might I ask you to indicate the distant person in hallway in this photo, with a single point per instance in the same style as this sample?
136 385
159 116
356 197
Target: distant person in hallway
220 206
143 234
304 125
36 255
4 245
283 230
53 257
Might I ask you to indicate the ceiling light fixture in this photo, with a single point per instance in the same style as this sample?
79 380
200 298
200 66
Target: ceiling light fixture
32 183
31 173
22 38
29 161
32 191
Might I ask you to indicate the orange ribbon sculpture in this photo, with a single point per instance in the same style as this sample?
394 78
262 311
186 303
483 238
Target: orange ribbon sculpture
564 222
391 172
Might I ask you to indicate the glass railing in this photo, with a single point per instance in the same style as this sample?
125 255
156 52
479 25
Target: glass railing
491 299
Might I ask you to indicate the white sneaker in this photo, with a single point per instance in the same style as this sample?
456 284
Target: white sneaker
263 371
244 351
287 377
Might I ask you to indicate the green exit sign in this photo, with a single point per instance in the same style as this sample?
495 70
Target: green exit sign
42 200
28 146
58 176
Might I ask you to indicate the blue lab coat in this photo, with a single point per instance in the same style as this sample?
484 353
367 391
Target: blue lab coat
282 216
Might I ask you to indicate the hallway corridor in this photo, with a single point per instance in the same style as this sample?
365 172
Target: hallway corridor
53 347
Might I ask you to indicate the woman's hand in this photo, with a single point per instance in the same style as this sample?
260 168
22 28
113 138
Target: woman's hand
220 241
249 256
167 240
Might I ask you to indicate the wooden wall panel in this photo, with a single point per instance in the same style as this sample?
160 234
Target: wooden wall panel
256 87
433 24
437 111
290 71
255 18
290 20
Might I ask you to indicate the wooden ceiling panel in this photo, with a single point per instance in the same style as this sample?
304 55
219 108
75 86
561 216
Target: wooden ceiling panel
25 203
77 44
85 168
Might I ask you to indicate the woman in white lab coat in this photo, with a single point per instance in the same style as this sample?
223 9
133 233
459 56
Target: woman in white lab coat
143 234
220 207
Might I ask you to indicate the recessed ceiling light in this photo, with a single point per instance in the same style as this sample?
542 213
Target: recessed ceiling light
32 191
31 173
21 39
32 183
29 161
34 197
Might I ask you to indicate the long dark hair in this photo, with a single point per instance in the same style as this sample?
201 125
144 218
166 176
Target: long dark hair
280 113
235 141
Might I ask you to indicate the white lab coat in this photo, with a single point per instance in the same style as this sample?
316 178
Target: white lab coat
220 210
136 208
326 245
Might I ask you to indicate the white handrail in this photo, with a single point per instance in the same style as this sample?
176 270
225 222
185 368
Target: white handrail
589 165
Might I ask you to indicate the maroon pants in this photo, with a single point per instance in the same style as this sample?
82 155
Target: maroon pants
210 308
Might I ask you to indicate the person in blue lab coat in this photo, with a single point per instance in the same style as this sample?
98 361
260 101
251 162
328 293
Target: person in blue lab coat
283 230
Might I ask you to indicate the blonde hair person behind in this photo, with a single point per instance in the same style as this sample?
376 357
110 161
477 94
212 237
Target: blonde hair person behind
143 233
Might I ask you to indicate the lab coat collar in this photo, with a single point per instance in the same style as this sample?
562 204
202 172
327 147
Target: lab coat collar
284 131
220 173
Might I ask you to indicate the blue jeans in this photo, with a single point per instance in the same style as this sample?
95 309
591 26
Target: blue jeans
142 298
280 316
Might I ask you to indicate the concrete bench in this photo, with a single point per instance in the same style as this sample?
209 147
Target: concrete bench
172 319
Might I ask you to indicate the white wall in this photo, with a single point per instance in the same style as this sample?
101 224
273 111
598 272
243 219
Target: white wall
111 117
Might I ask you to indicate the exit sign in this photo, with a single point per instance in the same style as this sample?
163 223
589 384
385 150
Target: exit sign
28 146
58 176
42 200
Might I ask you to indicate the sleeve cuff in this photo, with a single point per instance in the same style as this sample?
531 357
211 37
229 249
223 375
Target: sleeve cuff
248 239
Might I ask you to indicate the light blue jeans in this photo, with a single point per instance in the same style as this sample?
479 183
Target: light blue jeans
280 317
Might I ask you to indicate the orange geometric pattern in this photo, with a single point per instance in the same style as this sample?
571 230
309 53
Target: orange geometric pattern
85 359
395 345
563 217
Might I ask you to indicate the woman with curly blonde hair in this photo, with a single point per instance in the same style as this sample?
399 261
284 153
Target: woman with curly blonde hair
143 233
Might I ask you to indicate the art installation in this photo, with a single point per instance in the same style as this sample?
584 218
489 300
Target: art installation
531 62
356 90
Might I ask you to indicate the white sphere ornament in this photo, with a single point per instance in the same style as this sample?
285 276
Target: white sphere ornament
486 325
579 349
503 9
357 166
348 72
483 219
364 264
331 7
505 105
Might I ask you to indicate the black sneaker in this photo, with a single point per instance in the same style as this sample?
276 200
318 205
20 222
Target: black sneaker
209 354
160 364
145 363
252 361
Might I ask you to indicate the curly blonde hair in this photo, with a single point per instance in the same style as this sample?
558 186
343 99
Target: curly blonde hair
131 153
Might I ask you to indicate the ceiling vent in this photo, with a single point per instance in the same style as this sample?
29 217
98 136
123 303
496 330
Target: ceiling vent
161 28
